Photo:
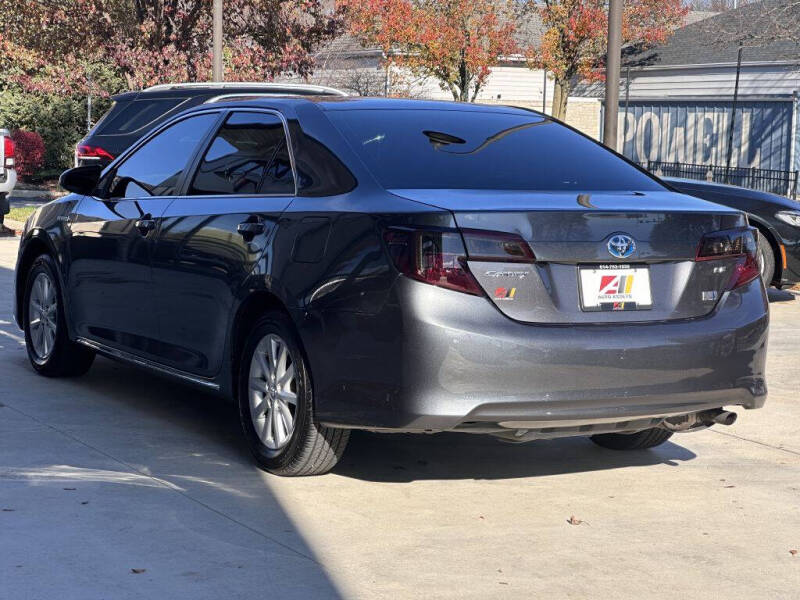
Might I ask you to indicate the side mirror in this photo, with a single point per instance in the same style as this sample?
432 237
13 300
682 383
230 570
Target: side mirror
81 180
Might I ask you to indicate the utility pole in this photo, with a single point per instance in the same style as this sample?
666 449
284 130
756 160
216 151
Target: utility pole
218 73
733 115
613 60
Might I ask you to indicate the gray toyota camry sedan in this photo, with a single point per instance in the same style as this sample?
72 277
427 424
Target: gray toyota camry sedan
335 263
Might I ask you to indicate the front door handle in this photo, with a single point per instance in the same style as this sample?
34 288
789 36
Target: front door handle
145 226
249 229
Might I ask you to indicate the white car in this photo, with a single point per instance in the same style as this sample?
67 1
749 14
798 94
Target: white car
8 175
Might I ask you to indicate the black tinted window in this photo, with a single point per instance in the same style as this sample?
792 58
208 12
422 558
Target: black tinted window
155 169
133 116
249 155
452 149
319 171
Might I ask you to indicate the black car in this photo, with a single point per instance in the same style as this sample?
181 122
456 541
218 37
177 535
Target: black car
133 114
776 218
397 265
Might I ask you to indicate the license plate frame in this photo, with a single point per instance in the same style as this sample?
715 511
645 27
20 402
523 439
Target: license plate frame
626 287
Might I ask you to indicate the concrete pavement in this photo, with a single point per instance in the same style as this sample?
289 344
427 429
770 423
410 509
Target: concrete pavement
122 470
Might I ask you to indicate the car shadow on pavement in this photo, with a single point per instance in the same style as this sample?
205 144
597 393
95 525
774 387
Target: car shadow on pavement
166 456
776 295
411 457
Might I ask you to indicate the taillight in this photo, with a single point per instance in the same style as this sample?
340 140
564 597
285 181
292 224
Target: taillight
440 257
495 246
434 257
739 244
93 152
8 152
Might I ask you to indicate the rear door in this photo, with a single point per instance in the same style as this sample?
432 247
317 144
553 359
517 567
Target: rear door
211 237
112 237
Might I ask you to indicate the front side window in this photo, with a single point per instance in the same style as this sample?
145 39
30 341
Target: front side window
249 155
156 168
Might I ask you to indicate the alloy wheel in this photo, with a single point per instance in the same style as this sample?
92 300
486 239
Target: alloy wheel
42 316
273 392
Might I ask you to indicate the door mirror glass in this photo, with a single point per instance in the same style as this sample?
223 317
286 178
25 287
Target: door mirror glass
81 180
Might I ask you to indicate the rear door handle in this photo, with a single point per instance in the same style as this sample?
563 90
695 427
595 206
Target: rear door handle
250 229
145 226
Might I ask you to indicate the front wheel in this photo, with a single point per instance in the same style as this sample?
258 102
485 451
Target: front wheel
276 404
649 438
50 350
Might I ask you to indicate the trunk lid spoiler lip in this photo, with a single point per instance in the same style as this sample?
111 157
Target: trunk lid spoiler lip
474 200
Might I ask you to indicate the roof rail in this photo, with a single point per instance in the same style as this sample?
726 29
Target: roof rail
286 87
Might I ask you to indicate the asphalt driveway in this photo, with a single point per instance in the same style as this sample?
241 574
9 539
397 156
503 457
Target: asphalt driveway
124 485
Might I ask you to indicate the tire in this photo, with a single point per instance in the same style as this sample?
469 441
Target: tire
58 356
648 438
280 431
766 259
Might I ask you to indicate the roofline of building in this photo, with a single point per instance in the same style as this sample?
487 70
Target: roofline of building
754 63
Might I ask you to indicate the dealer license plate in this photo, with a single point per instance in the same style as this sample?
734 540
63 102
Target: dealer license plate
615 287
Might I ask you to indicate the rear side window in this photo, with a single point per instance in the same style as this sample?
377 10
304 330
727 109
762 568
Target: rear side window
137 115
469 149
249 155
156 168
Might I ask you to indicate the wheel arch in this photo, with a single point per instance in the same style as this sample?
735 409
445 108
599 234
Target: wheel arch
35 247
250 309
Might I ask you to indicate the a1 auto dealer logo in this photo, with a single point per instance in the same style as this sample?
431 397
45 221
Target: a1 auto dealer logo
616 284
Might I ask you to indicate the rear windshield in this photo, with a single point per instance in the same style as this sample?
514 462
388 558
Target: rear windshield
137 115
450 149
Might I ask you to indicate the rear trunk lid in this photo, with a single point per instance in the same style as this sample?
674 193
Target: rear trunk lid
606 257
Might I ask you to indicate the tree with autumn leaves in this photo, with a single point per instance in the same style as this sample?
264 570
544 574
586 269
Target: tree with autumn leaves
56 45
574 40
454 41
457 42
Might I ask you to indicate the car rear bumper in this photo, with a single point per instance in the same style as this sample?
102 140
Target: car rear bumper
457 363
8 179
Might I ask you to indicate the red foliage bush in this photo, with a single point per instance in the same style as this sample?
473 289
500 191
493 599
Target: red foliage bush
29 152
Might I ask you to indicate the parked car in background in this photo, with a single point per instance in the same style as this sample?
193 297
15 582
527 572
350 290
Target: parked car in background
404 266
8 174
134 113
777 219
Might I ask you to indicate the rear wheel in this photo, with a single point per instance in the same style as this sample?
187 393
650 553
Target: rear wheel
50 350
766 259
276 405
649 438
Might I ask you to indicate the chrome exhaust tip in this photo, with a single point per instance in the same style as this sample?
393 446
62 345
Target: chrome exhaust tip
699 420
724 417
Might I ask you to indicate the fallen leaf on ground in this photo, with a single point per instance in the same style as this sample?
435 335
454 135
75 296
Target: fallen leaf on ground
138 571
